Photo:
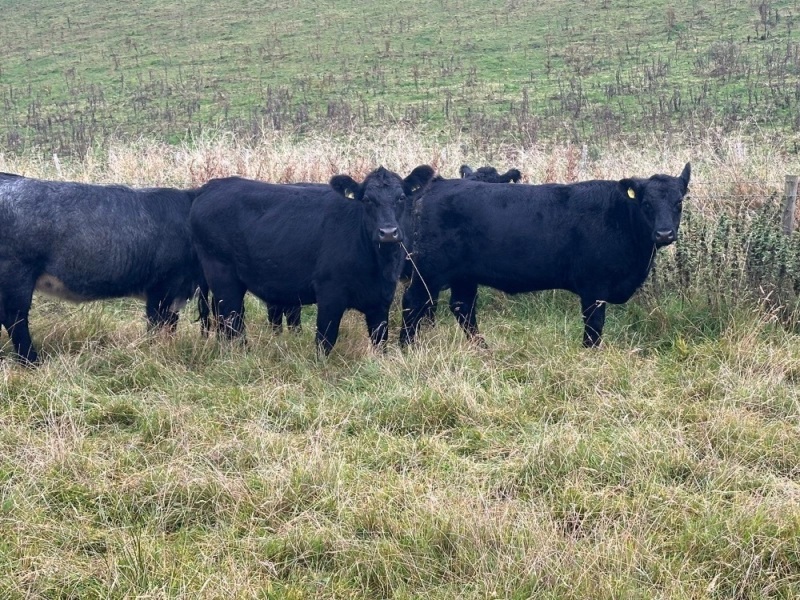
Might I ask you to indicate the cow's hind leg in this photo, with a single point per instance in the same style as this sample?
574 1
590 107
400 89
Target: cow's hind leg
418 303
230 307
463 301
228 293
204 308
16 304
594 317
275 317
292 313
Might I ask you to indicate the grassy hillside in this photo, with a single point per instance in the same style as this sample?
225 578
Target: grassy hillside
73 72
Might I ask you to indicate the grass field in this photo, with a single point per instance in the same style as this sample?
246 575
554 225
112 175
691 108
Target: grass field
74 72
654 468
662 466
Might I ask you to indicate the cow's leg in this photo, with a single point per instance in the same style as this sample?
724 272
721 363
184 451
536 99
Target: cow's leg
429 315
16 304
230 307
228 303
159 309
293 317
417 304
329 317
463 300
378 326
204 309
594 317
275 316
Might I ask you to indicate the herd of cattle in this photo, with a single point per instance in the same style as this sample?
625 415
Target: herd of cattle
342 245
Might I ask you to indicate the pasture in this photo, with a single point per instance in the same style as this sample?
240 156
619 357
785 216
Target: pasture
663 466
73 74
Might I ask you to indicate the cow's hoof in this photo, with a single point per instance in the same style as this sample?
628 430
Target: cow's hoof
479 342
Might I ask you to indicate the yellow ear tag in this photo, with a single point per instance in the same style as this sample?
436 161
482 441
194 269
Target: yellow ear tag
350 194
631 194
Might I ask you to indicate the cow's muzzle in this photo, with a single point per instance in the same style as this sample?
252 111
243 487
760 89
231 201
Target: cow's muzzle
663 237
389 235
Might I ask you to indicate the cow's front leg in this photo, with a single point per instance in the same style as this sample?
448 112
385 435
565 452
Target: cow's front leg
329 317
594 317
378 326
160 311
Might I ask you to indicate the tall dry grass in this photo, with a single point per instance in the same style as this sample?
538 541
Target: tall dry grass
728 171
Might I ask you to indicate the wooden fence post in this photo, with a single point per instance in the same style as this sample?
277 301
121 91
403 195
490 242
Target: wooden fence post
789 203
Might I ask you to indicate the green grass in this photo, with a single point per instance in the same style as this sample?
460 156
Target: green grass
74 72
664 465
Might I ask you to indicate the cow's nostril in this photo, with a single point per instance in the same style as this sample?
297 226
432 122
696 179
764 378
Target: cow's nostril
389 233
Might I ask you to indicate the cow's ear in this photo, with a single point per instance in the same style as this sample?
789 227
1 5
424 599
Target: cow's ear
418 178
465 171
512 176
346 186
686 174
631 189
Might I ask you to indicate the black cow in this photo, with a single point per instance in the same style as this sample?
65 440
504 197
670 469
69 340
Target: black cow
437 186
277 312
338 247
292 312
595 238
489 175
84 242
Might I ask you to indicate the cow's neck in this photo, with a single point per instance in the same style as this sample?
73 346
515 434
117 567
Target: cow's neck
389 259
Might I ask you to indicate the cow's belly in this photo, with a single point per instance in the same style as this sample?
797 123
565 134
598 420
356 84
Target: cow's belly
518 283
53 286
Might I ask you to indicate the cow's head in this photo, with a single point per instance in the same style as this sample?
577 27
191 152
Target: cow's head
489 175
660 200
386 198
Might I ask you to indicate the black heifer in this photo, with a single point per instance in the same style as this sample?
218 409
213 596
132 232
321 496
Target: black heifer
337 246
84 242
595 238
438 186
292 312
489 175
